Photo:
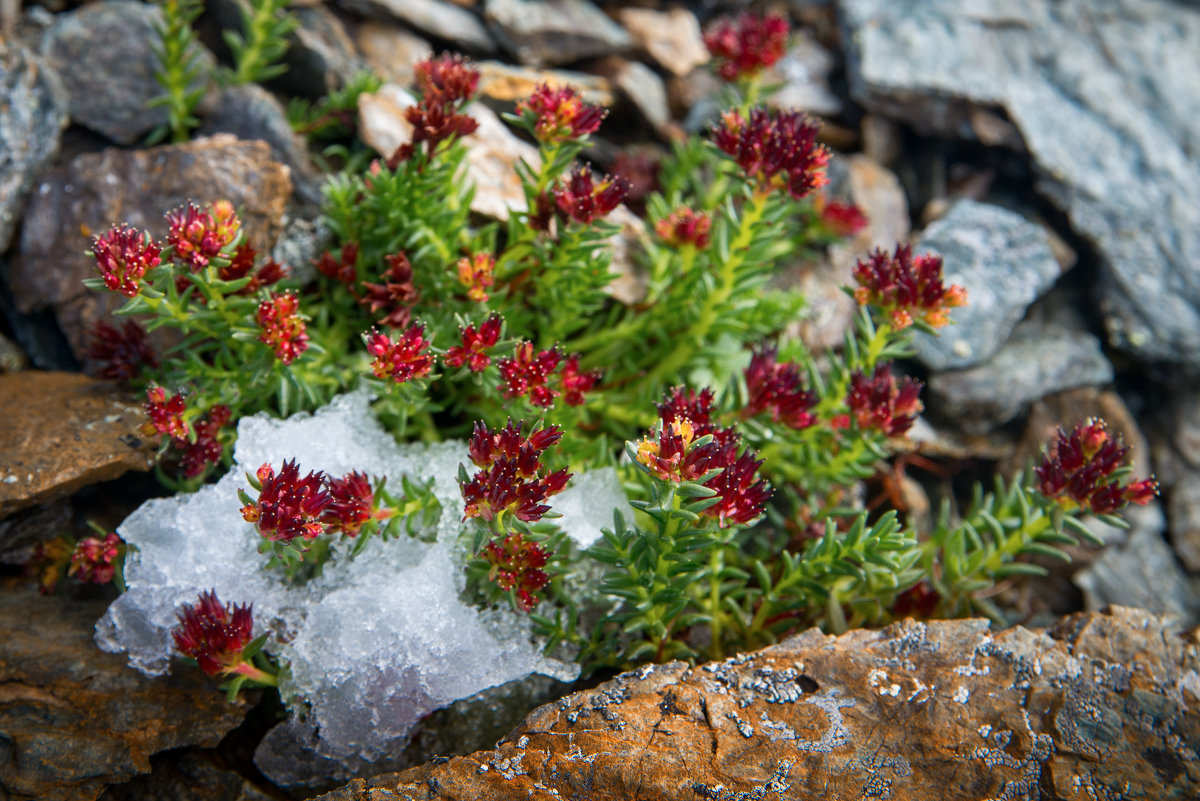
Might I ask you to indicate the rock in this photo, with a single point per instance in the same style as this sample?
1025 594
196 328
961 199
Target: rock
1183 511
671 38
322 56
434 17
696 97
1184 414
391 51
63 431
104 53
1103 95
1003 260
804 74
506 83
1142 572
882 139
250 112
640 88
32 117
1038 360
138 187
22 531
74 718
1096 707
492 151
188 776
549 32
12 358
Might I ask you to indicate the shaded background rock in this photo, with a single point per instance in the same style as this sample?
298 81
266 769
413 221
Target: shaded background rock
434 17
75 719
1098 705
548 32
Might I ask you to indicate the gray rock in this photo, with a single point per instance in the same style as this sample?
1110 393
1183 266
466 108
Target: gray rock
434 17
1003 260
1183 512
1142 572
671 38
391 51
32 117
549 32
640 87
1038 360
804 74
1184 422
1103 94
321 57
104 54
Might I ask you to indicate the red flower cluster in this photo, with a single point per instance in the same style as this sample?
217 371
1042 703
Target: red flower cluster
878 404
198 236
207 448
685 227
95 559
583 200
351 504
842 219
476 274
288 506
746 44
559 115
123 256
214 634
677 455
242 265
48 562
166 414
122 351
475 345
342 269
395 295
446 84
403 359
516 564
904 287
509 480
527 374
282 328
1086 470
777 388
777 149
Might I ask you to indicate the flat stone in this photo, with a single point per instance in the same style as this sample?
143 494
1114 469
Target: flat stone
1103 94
322 56
442 20
1098 706
391 50
82 199
641 89
548 32
76 719
104 53
63 431
32 117
671 38
1004 262
1037 361
1183 512
509 83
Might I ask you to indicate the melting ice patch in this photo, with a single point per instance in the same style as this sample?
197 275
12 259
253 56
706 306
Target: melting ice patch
374 643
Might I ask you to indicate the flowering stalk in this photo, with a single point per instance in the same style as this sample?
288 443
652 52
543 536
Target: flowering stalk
218 637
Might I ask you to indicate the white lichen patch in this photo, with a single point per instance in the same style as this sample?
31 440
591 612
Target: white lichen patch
962 695
876 677
918 688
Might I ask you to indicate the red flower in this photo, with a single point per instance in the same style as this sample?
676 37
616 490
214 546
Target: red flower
287 506
877 403
903 287
671 455
684 227
777 388
396 294
743 496
123 256
583 200
746 44
351 504
842 219
403 359
214 634
207 448
559 115
682 403
94 559
516 564
343 269
450 77
1086 470
777 149
576 384
475 274
475 344
166 414
509 481
199 236
242 265
282 328
447 84
526 374
123 352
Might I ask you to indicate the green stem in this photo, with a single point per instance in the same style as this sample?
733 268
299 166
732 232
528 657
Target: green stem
716 563
255 674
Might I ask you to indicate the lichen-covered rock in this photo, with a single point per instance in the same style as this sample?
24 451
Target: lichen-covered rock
75 719
1097 707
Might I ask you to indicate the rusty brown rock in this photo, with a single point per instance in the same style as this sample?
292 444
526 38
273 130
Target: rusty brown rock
75 719
1100 706
138 187
63 431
